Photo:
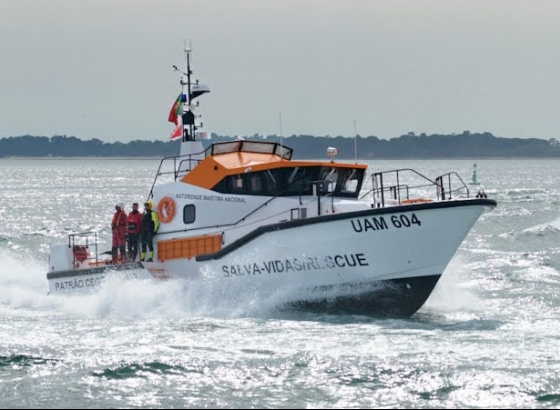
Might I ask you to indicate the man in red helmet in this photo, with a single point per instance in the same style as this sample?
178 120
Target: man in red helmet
118 224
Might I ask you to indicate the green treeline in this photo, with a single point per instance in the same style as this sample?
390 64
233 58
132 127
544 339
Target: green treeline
465 145
63 146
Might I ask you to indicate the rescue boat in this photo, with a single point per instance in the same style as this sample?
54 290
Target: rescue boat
244 214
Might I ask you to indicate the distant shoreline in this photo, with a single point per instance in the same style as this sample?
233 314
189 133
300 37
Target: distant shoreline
410 146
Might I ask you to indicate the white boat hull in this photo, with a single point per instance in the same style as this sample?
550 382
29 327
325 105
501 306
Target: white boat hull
380 260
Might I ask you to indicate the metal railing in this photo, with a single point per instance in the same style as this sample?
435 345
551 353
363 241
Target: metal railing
182 165
83 241
445 181
388 185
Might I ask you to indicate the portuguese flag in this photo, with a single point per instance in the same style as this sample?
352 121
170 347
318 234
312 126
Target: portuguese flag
175 110
177 132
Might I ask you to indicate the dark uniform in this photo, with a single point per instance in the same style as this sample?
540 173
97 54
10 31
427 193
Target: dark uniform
150 225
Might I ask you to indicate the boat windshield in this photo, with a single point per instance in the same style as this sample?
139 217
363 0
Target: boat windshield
257 147
294 181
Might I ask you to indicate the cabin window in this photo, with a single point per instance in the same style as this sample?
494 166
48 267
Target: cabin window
238 183
189 214
297 181
294 181
270 183
255 184
350 186
235 184
328 179
350 182
249 146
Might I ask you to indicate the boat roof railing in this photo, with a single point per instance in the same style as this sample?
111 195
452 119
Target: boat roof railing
256 147
179 166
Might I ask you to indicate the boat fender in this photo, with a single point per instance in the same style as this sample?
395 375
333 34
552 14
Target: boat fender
166 209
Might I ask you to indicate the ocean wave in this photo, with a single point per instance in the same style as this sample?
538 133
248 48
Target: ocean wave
551 398
547 230
24 286
23 282
24 361
552 260
542 230
526 191
144 370
527 195
174 299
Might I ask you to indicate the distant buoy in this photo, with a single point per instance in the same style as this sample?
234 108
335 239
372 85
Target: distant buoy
474 180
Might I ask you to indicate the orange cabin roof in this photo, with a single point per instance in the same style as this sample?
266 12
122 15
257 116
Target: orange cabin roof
214 168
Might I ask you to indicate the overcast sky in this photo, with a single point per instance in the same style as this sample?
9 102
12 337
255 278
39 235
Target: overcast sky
103 69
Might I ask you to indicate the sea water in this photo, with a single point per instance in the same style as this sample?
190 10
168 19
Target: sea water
488 337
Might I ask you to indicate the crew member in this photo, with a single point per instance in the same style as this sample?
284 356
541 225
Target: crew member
150 225
134 229
118 225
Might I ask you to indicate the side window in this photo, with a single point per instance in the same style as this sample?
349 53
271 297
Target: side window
256 185
236 184
350 186
270 184
189 214
328 178
332 179
349 182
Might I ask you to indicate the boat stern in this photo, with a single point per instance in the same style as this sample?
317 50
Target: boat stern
61 258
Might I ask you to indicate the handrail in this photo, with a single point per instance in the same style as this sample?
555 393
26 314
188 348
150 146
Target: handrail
397 172
176 168
443 191
86 235
449 175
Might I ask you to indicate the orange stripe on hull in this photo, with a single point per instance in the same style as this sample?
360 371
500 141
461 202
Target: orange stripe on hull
188 247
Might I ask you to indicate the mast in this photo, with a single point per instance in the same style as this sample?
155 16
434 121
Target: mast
187 114
189 91
281 136
355 143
